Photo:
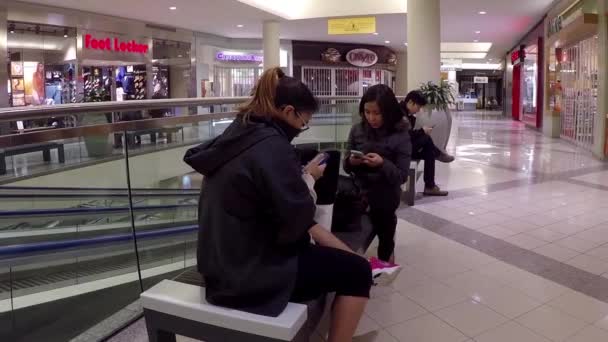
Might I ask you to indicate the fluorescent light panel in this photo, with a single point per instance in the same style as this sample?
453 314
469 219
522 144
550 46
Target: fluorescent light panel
464 55
466 47
308 9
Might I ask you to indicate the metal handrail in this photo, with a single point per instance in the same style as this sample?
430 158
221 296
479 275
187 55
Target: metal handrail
49 111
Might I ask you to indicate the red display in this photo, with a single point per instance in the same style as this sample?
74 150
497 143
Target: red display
115 44
518 56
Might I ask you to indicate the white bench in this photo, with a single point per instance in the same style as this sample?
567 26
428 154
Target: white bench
172 308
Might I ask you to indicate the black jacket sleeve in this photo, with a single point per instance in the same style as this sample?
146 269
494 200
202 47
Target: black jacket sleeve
280 177
396 171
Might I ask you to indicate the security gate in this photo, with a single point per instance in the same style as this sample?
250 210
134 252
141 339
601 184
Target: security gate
338 81
579 78
235 81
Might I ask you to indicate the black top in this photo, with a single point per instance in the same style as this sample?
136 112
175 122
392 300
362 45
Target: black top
394 147
254 216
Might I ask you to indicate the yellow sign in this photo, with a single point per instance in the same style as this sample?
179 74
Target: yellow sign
361 25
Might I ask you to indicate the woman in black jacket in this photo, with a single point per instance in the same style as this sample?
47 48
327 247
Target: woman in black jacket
379 154
256 215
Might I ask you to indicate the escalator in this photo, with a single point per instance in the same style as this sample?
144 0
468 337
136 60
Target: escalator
82 240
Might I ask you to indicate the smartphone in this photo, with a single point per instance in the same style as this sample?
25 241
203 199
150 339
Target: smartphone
357 154
323 158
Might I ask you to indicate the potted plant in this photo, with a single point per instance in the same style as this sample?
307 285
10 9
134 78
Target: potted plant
439 98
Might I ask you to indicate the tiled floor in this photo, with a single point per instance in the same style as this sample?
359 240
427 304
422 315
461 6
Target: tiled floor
517 253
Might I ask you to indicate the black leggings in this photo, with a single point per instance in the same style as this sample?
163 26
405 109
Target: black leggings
325 270
384 200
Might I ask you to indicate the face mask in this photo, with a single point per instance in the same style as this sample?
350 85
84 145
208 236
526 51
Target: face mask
290 131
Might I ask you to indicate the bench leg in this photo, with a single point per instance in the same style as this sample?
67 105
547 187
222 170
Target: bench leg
46 155
411 188
169 137
2 165
61 154
153 138
155 335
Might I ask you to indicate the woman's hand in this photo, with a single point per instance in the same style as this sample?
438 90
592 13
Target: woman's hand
427 130
314 169
373 160
355 161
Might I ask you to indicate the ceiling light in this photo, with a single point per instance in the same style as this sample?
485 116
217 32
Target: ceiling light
476 40
11 28
240 25
387 42
482 12
376 33
179 56
173 8
65 33
405 44
477 32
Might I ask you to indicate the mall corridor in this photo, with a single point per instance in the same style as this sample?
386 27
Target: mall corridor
518 252
246 170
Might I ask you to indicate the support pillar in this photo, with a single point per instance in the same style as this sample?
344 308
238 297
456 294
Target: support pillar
272 44
401 88
4 99
600 143
424 42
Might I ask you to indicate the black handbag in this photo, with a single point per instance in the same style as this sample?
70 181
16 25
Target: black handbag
350 205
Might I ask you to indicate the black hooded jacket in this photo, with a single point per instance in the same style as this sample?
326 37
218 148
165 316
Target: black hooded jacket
254 216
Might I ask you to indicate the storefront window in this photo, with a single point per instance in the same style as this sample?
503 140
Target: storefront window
530 85
41 64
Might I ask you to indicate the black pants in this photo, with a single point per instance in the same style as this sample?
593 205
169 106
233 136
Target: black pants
325 270
383 203
423 148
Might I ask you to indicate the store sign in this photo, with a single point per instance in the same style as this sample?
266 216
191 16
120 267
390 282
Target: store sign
362 57
238 57
555 25
480 79
114 44
518 56
362 25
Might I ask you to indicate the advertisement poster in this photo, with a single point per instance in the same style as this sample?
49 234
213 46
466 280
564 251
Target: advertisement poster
33 74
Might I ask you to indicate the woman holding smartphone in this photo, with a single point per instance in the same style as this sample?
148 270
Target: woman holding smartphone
256 215
379 155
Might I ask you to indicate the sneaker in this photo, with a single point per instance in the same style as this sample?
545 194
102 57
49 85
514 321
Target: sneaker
445 158
383 272
434 191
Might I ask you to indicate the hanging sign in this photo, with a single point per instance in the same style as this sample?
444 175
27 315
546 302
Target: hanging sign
480 79
518 56
362 57
361 25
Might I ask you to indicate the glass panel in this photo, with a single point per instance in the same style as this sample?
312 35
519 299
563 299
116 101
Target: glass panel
65 235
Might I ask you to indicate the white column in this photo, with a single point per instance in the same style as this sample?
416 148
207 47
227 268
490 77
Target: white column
401 75
424 42
600 127
272 44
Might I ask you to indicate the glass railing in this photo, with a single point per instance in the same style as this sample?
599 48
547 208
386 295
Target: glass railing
94 212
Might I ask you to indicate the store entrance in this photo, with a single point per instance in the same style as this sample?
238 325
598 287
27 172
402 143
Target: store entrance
115 82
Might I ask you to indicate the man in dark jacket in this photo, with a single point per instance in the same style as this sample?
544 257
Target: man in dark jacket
423 147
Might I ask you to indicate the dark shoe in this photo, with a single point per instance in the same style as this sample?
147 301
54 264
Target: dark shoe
434 191
445 158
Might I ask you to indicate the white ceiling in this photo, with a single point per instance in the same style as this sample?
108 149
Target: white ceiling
504 24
